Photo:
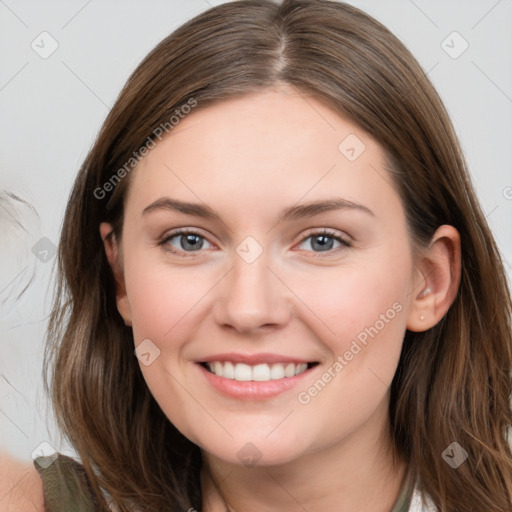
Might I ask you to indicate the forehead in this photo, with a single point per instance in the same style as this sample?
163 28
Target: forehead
267 147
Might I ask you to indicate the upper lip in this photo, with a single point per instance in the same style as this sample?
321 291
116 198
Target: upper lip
253 359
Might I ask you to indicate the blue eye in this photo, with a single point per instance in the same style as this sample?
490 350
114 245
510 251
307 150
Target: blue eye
184 241
324 241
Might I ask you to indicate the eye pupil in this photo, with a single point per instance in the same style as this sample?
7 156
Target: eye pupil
323 242
193 242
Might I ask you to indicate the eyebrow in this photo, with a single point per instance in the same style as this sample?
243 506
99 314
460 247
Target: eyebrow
297 211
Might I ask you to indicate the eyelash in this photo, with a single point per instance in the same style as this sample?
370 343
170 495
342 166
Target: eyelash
324 232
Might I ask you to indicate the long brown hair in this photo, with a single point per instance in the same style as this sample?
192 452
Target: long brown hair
453 381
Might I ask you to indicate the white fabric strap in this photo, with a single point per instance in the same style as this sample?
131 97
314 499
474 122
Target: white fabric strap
417 503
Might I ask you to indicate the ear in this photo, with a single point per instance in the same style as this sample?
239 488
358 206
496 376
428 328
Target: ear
437 280
113 255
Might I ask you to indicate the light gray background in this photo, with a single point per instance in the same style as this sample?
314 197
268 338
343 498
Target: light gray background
51 110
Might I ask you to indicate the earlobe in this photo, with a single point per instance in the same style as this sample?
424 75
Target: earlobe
438 269
112 252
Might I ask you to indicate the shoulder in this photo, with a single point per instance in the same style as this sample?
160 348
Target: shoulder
65 484
20 486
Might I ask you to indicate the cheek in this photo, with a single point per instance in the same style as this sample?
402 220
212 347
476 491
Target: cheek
363 325
163 301
360 311
161 298
347 301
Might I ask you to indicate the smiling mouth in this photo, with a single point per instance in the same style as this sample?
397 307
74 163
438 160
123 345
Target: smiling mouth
260 372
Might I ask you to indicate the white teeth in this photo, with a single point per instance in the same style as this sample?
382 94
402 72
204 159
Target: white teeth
228 371
260 372
277 372
289 371
243 372
301 368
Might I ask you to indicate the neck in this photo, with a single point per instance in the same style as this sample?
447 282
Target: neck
357 473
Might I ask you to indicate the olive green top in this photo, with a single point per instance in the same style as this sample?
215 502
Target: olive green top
66 489
65 485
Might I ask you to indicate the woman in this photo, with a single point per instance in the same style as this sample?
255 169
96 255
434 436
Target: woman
277 218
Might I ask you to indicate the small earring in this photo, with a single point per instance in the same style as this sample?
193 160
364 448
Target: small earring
426 291
422 318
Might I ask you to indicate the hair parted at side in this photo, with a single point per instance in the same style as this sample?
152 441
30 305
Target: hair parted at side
453 381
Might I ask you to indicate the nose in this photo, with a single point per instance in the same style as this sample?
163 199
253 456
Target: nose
252 297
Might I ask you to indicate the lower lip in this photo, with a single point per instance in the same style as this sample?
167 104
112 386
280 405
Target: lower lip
255 390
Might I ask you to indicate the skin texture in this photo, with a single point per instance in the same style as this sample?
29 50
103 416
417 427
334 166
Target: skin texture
20 486
248 159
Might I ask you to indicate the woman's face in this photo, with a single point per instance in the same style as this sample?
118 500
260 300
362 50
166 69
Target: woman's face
296 260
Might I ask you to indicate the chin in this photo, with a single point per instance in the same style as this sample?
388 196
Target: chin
254 451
